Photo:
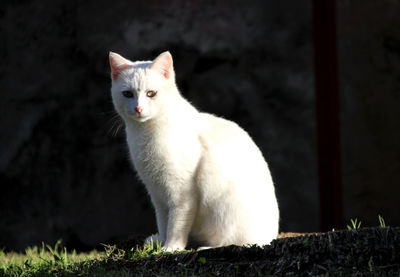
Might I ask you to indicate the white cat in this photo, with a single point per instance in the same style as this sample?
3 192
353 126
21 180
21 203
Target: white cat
205 176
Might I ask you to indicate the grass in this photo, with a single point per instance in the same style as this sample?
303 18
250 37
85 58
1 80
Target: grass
58 261
355 224
44 261
381 221
356 252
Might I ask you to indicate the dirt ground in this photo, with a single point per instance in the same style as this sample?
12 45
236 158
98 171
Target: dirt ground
358 252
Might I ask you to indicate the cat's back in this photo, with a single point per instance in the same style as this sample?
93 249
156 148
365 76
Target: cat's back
234 180
220 133
229 148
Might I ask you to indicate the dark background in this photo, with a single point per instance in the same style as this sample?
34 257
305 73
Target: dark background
63 172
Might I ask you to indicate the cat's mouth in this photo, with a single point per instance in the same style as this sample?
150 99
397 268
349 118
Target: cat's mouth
139 117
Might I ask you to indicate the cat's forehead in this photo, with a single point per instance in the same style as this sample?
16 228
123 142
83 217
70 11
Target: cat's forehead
141 64
138 76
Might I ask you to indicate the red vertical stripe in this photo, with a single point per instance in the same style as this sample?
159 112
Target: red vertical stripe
327 113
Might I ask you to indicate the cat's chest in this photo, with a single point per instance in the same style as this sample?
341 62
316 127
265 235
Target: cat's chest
163 155
149 153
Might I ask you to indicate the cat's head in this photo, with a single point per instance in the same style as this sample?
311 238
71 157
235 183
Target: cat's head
141 90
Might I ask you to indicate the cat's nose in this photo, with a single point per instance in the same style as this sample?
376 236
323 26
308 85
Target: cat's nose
138 109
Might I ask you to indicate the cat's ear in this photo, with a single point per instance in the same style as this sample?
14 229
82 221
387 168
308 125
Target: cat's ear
163 64
117 64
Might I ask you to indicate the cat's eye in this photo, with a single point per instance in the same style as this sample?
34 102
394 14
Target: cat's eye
151 93
127 93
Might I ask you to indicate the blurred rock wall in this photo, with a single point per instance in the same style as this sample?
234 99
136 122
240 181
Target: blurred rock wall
64 174
369 66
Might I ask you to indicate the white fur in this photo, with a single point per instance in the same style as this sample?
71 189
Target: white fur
205 175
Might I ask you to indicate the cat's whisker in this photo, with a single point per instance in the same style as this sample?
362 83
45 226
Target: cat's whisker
117 128
116 124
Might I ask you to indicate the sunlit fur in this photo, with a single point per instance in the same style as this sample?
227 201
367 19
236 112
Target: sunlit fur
204 174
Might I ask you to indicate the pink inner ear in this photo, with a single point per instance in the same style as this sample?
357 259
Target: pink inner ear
117 64
166 74
116 70
163 64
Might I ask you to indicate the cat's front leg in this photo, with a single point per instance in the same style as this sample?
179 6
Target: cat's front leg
180 221
161 218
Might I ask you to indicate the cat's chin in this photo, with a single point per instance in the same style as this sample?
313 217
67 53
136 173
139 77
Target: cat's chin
140 119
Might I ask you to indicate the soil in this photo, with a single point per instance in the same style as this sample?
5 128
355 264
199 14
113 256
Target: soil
357 252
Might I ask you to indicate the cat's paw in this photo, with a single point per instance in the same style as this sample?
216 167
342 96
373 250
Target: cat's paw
172 247
204 248
154 240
